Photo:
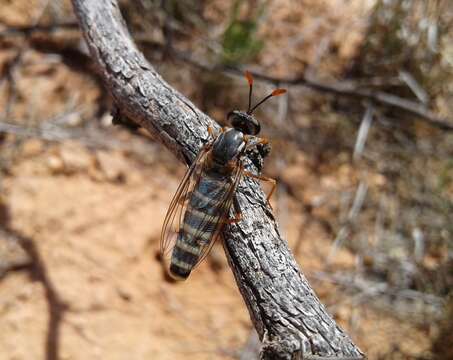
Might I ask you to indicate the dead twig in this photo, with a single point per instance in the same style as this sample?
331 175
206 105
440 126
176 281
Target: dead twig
406 303
28 30
344 231
363 133
93 137
344 89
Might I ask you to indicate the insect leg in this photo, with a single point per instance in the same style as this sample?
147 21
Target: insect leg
182 199
253 141
237 210
213 133
263 178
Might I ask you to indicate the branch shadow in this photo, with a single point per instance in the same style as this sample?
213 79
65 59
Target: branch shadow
38 271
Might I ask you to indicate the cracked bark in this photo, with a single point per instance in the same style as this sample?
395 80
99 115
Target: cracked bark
289 318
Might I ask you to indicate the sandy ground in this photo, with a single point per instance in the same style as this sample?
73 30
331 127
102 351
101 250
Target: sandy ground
98 239
95 218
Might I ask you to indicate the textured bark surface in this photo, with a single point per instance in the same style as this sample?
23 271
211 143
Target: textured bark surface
289 318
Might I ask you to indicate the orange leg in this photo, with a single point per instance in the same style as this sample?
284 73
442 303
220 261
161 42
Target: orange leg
252 141
263 178
212 132
237 218
238 212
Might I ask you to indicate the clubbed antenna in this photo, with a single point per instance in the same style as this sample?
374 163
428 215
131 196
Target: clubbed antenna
276 92
249 77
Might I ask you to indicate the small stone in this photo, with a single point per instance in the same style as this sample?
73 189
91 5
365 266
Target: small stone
106 120
74 119
111 165
55 164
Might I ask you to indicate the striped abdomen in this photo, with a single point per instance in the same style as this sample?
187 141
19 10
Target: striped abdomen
200 222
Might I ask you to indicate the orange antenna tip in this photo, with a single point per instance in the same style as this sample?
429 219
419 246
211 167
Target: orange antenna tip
249 77
278 92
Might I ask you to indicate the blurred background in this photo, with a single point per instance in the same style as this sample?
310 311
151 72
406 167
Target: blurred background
364 197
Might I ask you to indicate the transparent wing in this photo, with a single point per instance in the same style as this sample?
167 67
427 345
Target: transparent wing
221 214
175 213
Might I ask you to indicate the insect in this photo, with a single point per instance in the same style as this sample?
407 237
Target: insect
200 208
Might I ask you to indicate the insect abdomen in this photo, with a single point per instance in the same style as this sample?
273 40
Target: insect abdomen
200 220
183 261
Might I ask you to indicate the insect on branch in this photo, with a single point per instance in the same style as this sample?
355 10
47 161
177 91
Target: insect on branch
201 206
290 320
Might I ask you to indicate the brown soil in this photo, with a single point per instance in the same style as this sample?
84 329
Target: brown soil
98 238
95 217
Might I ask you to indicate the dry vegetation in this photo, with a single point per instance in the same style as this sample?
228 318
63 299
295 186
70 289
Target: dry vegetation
365 194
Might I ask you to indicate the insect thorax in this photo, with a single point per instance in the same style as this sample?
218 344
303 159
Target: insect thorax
227 146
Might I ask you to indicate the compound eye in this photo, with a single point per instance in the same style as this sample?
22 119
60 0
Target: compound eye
256 128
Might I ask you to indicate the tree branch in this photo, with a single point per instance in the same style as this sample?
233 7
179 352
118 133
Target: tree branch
344 89
289 318
36 28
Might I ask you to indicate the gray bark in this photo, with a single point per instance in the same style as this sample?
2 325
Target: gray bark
289 318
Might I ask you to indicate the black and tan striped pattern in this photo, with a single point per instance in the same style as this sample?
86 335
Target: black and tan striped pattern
203 214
